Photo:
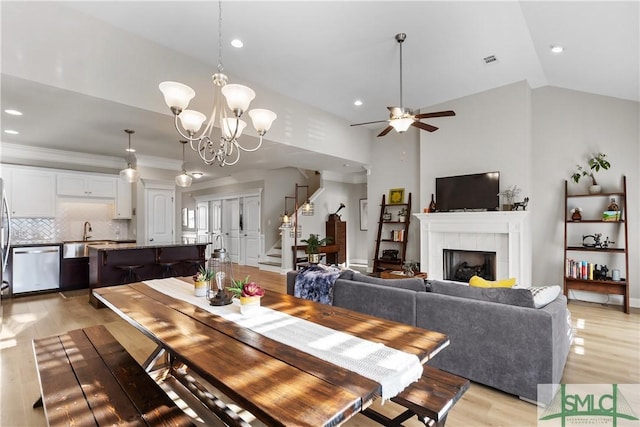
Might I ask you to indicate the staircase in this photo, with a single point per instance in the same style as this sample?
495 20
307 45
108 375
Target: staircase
272 261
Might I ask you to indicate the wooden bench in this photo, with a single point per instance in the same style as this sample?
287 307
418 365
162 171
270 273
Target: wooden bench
88 379
430 399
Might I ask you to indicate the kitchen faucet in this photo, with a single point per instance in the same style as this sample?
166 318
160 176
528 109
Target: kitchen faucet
85 235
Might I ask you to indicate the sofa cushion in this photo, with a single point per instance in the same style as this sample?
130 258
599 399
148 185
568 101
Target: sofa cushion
543 295
412 284
479 282
520 297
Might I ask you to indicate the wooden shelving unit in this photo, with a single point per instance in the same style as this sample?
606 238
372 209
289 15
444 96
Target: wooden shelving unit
607 286
384 240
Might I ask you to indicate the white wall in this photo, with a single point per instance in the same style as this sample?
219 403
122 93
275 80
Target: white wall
567 127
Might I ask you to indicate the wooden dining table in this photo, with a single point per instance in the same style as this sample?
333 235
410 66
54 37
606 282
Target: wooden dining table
278 384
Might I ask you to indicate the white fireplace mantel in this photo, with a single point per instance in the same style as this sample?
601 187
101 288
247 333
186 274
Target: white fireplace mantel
507 234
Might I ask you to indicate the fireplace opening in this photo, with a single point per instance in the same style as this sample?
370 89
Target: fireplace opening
460 265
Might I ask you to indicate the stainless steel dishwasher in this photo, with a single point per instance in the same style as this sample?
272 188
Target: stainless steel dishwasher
35 268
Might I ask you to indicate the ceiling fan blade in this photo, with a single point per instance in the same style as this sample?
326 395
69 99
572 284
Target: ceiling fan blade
385 131
436 114
424 126
369 123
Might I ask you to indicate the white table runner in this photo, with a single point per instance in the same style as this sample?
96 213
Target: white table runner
393 369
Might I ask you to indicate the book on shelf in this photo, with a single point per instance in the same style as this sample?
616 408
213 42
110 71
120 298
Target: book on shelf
611 216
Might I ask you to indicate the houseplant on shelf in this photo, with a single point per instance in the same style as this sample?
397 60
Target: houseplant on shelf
595 163
313 247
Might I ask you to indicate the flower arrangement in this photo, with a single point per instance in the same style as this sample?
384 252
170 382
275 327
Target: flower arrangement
596 163
245 288
576 210
203 275
510 194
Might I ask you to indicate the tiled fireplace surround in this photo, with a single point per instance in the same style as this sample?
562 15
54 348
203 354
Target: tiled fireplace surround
508 234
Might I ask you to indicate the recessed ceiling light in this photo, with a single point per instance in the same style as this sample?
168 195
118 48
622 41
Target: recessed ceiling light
357 102
11 132
13 112
556 48
237 43
197 175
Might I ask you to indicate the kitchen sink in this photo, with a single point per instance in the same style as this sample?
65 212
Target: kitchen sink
81 249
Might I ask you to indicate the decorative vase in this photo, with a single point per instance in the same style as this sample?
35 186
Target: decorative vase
595 189
200 288
314 258
249 304
432 205
576 216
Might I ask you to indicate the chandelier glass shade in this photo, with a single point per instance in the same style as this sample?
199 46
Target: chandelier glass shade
183 180
129 174
230 102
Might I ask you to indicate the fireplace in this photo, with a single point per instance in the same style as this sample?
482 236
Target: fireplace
505 233
461 265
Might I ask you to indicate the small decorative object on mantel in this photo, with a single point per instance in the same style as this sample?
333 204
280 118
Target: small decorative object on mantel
613 206
432 205
509 195
595 162
249 294
523 204
576 214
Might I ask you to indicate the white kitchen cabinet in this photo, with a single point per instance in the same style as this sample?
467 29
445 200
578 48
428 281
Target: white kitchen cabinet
31 192
123 200
81 185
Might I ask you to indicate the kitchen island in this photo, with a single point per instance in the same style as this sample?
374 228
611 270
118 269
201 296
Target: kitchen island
116 264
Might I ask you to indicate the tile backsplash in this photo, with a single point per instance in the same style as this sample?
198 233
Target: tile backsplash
69 223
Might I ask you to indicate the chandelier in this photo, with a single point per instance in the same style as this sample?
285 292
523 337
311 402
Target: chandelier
129 174
226 116
184 179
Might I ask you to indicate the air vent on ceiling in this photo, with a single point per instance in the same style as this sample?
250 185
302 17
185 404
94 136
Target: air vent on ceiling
490 59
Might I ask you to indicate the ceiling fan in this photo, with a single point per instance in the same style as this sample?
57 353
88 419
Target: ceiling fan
401 118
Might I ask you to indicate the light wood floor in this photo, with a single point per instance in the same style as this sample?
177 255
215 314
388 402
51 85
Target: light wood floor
606 350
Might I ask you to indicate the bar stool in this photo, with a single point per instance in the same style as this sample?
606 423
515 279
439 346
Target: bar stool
130 275
192 266
168 268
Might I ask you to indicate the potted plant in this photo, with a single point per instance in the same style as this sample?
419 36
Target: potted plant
249 294
313 247
595 163
200 280
402 215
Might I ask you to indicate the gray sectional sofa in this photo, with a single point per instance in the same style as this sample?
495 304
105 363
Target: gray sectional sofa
497 337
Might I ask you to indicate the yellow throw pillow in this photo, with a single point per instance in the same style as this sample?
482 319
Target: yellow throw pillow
479 282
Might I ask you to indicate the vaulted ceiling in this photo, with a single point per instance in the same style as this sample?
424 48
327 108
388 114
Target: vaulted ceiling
320 53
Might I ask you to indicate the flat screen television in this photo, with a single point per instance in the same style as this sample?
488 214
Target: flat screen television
476 192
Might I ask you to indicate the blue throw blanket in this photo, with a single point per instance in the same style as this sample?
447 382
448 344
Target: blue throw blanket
315 283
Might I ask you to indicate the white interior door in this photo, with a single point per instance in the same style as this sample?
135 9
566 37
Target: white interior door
160 215
231 228
251 230
202 226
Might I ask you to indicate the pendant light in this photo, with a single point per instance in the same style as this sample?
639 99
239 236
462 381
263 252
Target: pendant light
130 174
183 180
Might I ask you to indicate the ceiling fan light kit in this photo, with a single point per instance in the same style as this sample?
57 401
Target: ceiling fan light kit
400 118
224 115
